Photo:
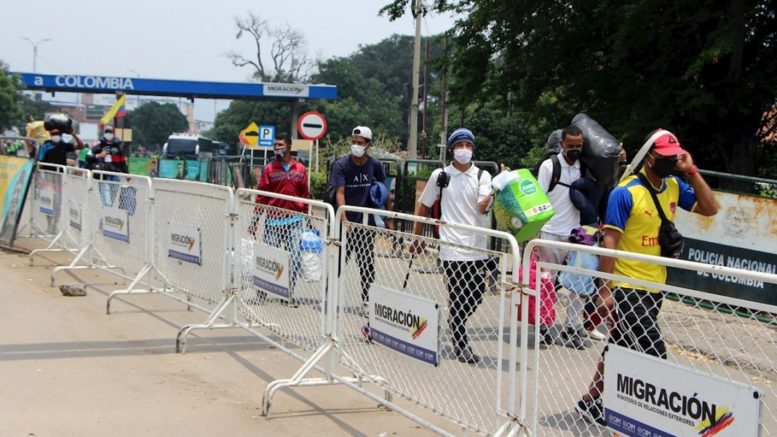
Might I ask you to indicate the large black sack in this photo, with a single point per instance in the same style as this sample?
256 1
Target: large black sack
600 150
60 121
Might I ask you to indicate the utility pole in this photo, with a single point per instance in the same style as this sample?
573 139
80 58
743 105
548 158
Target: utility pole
424 119
35 51
412 141
444 112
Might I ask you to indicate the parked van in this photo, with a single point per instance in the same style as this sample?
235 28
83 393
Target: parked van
189 146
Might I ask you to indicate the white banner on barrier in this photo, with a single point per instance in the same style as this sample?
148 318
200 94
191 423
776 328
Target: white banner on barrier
115 224
185 243
646 396
75 214
405 323
271 270
46 199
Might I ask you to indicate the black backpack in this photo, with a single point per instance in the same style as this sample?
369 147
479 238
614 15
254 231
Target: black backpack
555 175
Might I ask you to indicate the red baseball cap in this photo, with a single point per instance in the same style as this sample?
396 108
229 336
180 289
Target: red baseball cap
668 145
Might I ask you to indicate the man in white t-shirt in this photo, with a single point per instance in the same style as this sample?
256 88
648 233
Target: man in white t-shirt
558 228
465 199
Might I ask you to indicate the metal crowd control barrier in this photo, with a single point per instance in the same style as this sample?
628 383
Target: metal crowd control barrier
47 220
726 343
115 214
284 264
191 248
416 334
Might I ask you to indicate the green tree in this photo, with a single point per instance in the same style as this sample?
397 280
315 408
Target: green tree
31 109
362 100
153 122
703 69
10 96
241 113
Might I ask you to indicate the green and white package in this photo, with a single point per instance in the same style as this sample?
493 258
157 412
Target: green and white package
521 207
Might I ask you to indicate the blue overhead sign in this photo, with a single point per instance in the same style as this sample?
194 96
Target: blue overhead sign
176 88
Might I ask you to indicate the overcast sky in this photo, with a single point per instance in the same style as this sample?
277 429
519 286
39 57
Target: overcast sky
177 39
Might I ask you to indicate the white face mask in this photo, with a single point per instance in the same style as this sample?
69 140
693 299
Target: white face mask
279 152
109 137
462 156
357 150
67 138
55 138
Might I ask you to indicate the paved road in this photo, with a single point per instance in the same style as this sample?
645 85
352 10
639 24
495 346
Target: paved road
68 369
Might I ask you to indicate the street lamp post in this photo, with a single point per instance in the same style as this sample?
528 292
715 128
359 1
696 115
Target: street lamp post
35 51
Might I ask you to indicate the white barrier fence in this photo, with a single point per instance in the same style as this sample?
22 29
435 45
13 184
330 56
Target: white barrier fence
48 220
441 335
713 352
439 338
108 215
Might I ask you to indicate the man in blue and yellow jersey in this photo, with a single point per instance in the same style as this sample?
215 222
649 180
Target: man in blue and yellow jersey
631 224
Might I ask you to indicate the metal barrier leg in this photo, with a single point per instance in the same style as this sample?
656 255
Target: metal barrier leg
131 288
90 264
226 307
297 379
50 247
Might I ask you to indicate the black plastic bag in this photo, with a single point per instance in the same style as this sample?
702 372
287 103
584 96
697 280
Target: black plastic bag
600 150
554 141
60 121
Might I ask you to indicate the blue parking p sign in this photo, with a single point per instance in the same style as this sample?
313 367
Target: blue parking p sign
266 136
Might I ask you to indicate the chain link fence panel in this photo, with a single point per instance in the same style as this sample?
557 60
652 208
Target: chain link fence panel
282 266
433 332
47 200
575 318
76 184
192 248
121 206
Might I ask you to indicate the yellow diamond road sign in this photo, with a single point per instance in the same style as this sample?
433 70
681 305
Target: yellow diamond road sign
250 135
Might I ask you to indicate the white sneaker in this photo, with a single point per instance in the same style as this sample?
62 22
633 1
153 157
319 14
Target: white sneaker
596 335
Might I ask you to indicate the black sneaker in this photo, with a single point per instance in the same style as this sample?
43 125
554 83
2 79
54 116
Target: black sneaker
465 355
572 339
591 411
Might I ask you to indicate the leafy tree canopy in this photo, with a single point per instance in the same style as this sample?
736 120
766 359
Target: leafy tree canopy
9 98
31 108
703 69
153 122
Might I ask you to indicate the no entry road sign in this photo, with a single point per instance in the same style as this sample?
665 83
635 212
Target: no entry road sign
311 125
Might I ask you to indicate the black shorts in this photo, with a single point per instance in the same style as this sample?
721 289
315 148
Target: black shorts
636 326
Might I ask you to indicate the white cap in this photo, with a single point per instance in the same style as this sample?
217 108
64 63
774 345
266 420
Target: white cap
362 131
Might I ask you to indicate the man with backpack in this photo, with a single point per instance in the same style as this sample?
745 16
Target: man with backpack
556 175
640 214
349 184
465 196
109 154
55 151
